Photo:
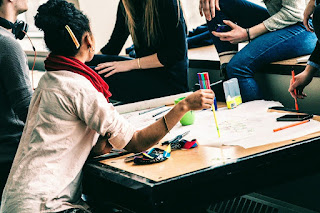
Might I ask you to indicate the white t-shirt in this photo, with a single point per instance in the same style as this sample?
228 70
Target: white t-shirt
66 116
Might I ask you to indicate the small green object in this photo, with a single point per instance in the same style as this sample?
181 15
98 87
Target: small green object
188 118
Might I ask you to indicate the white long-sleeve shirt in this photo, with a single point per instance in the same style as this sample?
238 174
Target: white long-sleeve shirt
65 118
284 13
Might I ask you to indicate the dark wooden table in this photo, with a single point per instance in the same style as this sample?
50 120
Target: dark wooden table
192 179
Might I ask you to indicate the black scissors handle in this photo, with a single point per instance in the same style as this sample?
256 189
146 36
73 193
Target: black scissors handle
176 139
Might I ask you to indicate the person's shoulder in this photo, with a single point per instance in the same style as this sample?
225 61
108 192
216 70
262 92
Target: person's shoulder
6 40
10 45
66 82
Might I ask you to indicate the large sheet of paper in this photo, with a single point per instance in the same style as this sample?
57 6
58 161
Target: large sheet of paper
248 125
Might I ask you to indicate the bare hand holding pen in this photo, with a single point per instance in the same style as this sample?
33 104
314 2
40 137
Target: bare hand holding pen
301 81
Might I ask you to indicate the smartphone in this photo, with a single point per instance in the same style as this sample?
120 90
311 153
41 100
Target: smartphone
213 26
295 117
223 28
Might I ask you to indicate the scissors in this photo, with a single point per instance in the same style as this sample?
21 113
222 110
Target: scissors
176 139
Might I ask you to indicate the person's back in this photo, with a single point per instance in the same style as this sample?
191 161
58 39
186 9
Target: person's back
50 180
15 95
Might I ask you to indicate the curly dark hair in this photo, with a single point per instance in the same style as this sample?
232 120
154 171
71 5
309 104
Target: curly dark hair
52 17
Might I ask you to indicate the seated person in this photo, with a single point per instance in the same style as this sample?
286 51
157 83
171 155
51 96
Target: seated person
15 86
198 37
274 34
68 112
159 35
313 65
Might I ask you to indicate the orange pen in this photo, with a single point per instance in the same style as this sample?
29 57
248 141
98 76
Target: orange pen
295 91
291 125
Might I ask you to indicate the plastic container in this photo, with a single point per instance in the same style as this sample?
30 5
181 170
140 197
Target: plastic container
232 93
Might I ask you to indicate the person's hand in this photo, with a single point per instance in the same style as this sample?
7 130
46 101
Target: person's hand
201 99
234 36
307 14
110 68
301 81
207 7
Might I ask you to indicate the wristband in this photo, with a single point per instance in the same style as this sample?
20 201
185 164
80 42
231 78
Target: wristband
249 39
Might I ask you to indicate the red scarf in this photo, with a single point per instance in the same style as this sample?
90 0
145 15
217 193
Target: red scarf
58 62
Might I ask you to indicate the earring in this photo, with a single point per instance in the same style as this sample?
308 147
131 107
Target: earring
91 49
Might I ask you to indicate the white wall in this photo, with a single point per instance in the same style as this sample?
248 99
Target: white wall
102 15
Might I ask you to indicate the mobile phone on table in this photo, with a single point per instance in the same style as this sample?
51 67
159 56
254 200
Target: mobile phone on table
295 117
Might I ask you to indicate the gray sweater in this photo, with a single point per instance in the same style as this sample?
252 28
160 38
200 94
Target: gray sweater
15 94
284 13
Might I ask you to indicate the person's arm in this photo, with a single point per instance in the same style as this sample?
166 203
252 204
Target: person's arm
110 68
305 77
239 34
15 79
119 35
207 7
301 81
172 47
149 136
290 13
307 14
97 114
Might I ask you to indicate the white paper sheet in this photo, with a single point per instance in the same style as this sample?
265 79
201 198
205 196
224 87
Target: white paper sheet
148 104
248 125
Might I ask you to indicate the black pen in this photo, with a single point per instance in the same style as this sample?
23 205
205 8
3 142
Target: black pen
149 110
160 112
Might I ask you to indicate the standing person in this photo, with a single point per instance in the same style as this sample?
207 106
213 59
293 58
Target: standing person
313 65
274 33
158 31
15 87
208 8
68 112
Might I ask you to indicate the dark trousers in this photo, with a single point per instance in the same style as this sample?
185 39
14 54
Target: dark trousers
138 85
4 172
73 211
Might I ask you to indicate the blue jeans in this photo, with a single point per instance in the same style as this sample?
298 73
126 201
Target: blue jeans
289 42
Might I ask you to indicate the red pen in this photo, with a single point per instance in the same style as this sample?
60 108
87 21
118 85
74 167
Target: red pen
295 91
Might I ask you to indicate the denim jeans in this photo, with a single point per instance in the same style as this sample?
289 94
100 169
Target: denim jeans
289 42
